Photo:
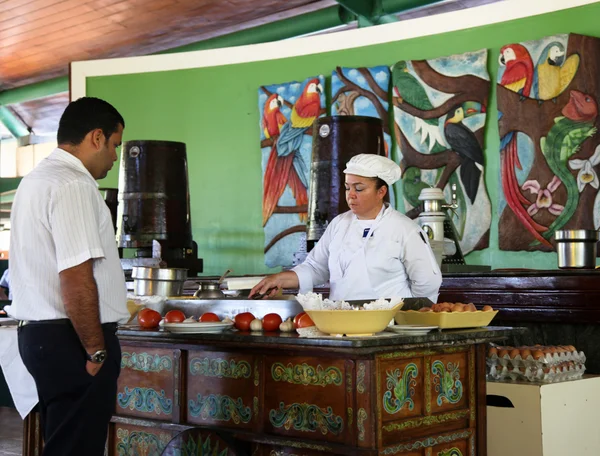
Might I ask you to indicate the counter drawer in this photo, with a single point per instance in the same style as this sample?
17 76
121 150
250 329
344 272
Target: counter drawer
275 450
146 386
457 443
222 389
307 397
424 391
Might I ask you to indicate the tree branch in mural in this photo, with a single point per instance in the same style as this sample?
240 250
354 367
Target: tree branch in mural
355 91
467 149
560 120
465 88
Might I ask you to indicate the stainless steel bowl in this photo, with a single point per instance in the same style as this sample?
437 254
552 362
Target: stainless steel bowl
576 249
158 281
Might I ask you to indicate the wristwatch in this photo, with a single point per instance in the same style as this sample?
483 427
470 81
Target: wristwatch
98 357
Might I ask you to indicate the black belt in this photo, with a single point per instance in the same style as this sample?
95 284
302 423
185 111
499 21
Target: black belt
59 321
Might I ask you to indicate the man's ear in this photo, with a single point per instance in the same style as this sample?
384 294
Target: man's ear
96 138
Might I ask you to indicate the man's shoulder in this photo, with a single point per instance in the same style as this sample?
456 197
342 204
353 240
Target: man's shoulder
53 175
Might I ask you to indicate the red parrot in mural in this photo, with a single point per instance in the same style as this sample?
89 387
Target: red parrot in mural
286 165
273 118
518 77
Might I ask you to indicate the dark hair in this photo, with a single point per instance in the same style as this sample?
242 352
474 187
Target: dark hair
87 114
379 182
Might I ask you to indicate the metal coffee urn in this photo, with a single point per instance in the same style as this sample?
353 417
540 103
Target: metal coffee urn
154 207
336 139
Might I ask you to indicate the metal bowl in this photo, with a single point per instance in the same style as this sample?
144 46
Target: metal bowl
158 281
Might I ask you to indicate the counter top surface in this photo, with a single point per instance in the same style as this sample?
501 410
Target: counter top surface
436 337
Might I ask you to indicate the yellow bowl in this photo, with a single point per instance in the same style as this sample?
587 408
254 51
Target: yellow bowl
446 320
353 322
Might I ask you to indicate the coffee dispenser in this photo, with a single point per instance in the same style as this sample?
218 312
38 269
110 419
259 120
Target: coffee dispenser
336 139
153 216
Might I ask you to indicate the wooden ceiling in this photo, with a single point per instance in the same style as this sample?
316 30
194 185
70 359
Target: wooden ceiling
39 38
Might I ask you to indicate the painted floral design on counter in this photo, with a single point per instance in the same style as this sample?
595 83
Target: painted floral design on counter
451 452
220 368
400 389
304 374
307 418
145 362
447 382
145 400
137 443
220 408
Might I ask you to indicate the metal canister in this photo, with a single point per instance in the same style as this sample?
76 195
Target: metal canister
336 139
154 201
576 249
158 281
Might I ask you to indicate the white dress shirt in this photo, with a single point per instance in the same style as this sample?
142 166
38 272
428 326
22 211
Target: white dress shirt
396 259
59 220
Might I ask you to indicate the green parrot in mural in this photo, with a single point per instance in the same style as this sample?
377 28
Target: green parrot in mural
563 141
408 89
412 185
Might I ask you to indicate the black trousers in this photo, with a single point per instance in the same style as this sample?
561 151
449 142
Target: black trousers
75 407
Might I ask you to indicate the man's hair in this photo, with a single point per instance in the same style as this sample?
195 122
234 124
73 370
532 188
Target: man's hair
87 114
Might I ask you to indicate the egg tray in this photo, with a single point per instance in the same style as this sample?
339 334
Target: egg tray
553 374
547 361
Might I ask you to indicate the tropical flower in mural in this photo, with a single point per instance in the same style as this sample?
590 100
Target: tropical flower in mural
544 196
587 174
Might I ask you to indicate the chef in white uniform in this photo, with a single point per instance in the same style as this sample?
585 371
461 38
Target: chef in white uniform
372 251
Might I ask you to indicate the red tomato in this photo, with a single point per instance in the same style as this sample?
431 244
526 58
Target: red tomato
296 318
148 318
271 322
305 321
174 316
243 320
209 316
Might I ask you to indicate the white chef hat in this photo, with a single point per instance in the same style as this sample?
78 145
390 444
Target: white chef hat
371 165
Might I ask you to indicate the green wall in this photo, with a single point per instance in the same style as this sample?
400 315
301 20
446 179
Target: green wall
9 183
214 111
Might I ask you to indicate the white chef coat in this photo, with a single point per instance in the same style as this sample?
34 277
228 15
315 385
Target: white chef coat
392 259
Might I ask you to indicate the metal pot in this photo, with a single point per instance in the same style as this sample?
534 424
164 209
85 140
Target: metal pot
209 290
576 249
158 281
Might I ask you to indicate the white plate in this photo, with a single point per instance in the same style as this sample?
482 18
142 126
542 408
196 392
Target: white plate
413 330
197 328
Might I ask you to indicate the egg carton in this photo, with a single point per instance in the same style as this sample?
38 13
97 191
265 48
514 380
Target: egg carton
546 361
540 375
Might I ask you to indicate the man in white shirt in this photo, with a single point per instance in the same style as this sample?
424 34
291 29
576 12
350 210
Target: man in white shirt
67 282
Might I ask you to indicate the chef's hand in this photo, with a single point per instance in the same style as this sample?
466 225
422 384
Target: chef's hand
271 285
93 368
267 287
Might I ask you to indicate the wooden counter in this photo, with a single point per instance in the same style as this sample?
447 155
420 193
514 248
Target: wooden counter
556 296
277 394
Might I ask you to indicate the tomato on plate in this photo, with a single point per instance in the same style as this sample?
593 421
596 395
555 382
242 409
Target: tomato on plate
243 320
305 321
296 318
209 317
174 316
271 322
148 318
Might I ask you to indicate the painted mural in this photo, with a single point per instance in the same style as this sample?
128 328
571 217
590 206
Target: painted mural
549 152
440 113
363 92
287 114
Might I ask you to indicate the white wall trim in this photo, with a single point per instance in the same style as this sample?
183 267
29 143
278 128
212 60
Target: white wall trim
503 11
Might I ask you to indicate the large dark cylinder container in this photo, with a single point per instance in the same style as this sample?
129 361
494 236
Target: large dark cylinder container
154 198
336 139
